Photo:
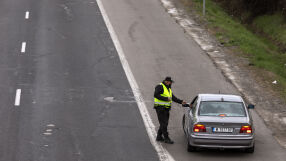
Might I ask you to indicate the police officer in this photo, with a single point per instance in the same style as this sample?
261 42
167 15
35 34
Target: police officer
163 98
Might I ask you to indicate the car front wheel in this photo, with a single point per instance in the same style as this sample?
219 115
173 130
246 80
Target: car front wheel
183 123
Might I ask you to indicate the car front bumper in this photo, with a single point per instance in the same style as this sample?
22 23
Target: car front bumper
225 142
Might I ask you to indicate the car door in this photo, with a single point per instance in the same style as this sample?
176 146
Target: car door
190 114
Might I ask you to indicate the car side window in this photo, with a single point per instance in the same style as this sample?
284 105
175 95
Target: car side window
194 104
194 100
194 109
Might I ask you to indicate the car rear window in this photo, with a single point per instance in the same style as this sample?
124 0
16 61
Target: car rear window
227 109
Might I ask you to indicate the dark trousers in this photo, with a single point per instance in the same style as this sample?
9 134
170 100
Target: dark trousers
163 118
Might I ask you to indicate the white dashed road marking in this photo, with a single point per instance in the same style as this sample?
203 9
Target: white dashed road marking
23 48
27 15
50 125
18 97
47 133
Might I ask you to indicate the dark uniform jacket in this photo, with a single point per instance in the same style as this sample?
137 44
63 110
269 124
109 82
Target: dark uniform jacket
160 90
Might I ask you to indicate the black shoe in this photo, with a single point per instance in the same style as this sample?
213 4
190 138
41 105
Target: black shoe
169 141
159 138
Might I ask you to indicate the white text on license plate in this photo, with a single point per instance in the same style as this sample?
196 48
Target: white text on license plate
222 129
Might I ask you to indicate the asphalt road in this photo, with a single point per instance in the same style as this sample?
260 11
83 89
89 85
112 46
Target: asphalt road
155 46
65 96
65 72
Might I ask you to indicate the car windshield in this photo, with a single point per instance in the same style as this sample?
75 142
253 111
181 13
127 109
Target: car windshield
227 109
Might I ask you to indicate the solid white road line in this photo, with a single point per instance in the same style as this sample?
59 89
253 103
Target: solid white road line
27 15
18 97
163 154
23 48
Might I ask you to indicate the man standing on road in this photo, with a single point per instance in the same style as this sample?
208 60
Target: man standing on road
163 98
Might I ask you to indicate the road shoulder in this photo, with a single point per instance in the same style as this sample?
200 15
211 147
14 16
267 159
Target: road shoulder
250 81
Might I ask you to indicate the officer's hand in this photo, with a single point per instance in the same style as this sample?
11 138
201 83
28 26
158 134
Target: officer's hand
169 99
184 102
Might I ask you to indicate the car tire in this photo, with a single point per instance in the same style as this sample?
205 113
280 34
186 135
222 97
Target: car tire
183 123
250 150
190 148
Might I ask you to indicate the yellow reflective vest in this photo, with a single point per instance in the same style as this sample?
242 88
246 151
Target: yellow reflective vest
166 93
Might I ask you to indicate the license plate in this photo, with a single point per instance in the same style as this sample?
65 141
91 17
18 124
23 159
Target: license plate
222 129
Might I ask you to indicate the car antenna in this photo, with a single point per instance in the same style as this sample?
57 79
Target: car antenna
219 91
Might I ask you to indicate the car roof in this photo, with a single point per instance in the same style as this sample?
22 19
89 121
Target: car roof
220 97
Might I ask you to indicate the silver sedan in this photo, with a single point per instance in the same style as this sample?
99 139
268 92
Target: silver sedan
219 121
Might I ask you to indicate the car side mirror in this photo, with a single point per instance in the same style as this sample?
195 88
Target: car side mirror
250 106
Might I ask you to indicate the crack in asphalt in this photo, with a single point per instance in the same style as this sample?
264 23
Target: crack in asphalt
68 11
132 30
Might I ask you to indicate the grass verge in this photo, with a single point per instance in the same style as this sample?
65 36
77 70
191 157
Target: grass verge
274 27
262 52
